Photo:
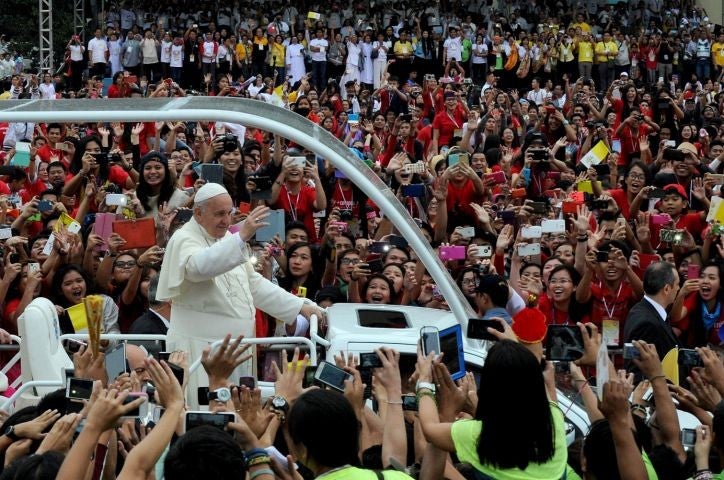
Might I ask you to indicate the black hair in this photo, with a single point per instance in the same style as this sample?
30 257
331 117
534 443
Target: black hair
600 452
698 329
325 407
657 276
204 452
517 419
144 190
57 289
44 466
312 282
363 293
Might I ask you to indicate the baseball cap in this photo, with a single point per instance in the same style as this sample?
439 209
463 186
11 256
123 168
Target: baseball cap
676 188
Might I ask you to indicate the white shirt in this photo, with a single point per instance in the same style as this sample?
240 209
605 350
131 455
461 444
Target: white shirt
659 309
166 51
537 97
323 44
47 91
454 49
98 48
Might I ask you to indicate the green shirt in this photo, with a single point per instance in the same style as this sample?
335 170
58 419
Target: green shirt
354 473
572 475
465 435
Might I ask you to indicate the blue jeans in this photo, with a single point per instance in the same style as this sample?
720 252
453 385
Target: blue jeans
319 74
703 68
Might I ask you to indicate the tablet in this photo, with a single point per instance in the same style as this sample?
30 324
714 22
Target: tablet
451 345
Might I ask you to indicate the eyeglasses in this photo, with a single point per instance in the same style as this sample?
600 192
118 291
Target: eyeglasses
349 261
637 177
468 281
559 281
128 264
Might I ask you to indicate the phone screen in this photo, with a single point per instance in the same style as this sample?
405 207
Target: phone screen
430 337
450 345
79 389
369 360
197 419
478 329
564 343
331 375
116 362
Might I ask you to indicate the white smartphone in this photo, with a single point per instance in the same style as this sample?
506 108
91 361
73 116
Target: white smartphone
531 232
484 251
529 249
5 233
116 199
33 267
553 226
299 162
466 232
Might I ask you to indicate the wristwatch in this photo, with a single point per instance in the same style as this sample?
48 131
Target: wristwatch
426 385
280 404
220 395
10 433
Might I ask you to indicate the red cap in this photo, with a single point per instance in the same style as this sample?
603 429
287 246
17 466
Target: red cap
676 188
689 95
529 325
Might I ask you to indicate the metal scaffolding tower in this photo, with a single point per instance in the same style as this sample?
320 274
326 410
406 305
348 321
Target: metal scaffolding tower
45 22
79 18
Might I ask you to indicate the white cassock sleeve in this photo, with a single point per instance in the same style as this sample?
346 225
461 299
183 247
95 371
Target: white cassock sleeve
274 300
216 259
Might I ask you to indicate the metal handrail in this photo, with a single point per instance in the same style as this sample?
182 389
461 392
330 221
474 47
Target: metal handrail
313 328
27 386
114 336
265 341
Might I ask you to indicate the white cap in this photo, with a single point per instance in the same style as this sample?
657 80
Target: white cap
209 190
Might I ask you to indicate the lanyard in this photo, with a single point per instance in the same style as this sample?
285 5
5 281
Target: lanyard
293 208
615 301
452 119
345 205
553 316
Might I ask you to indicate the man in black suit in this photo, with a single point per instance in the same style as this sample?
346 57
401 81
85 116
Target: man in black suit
648 320
156 319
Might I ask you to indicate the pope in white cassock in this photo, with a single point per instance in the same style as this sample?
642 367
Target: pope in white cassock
213 288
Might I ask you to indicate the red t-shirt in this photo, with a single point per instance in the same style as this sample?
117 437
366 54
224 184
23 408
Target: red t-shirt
446 124
299 207
611 305
621 199
630 144
460 198
46 153
344 200
553 315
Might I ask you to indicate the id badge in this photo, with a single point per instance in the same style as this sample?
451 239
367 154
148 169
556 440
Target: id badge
192 57
611 332
458 133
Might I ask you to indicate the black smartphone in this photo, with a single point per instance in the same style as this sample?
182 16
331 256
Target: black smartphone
14 258
45 206
539 207
178 372
375 266
602 169
164 356
409 403
564 343
218 420
262 183
415 190
248 382
308 379
478 329
379 247
370 360
332 376
78 389
100 158
601 257
657 193
689 358
599 204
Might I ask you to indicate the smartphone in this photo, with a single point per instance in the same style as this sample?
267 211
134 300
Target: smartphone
212 173
164 356
353 118
375 265
409 403
116 199
178 372
688 437
564 343
183 215
452 252
670 144
531 232
6 233
415 190
496 178
615 146
602 169
693 271
78 388
116 362
630 351
539 208
418 167
45 206
218 420
139 412
602 256
553 226
562 367
508 216
331 375
261 183
33 267
299 162
309 373
689 358
466 232
660 219
518 193
455 158
430 340
247 381
370 360
379 247
529 249
657 193
478 329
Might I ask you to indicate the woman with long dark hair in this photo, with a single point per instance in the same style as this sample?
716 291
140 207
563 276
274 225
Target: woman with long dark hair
518 430
156 185
300 270
697 310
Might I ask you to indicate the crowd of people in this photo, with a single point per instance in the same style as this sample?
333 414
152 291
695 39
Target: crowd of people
565 161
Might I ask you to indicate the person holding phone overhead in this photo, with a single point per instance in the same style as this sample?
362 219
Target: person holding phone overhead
213 288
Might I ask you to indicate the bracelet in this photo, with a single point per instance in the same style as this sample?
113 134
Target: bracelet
255 452
651 380
424 393
260 472
584 385
702 475
390 402
636 407
258 461
583 239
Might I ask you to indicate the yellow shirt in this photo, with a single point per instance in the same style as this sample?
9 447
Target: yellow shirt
583 26
278 55
606 51
403 48
717 54
243 51
585 51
